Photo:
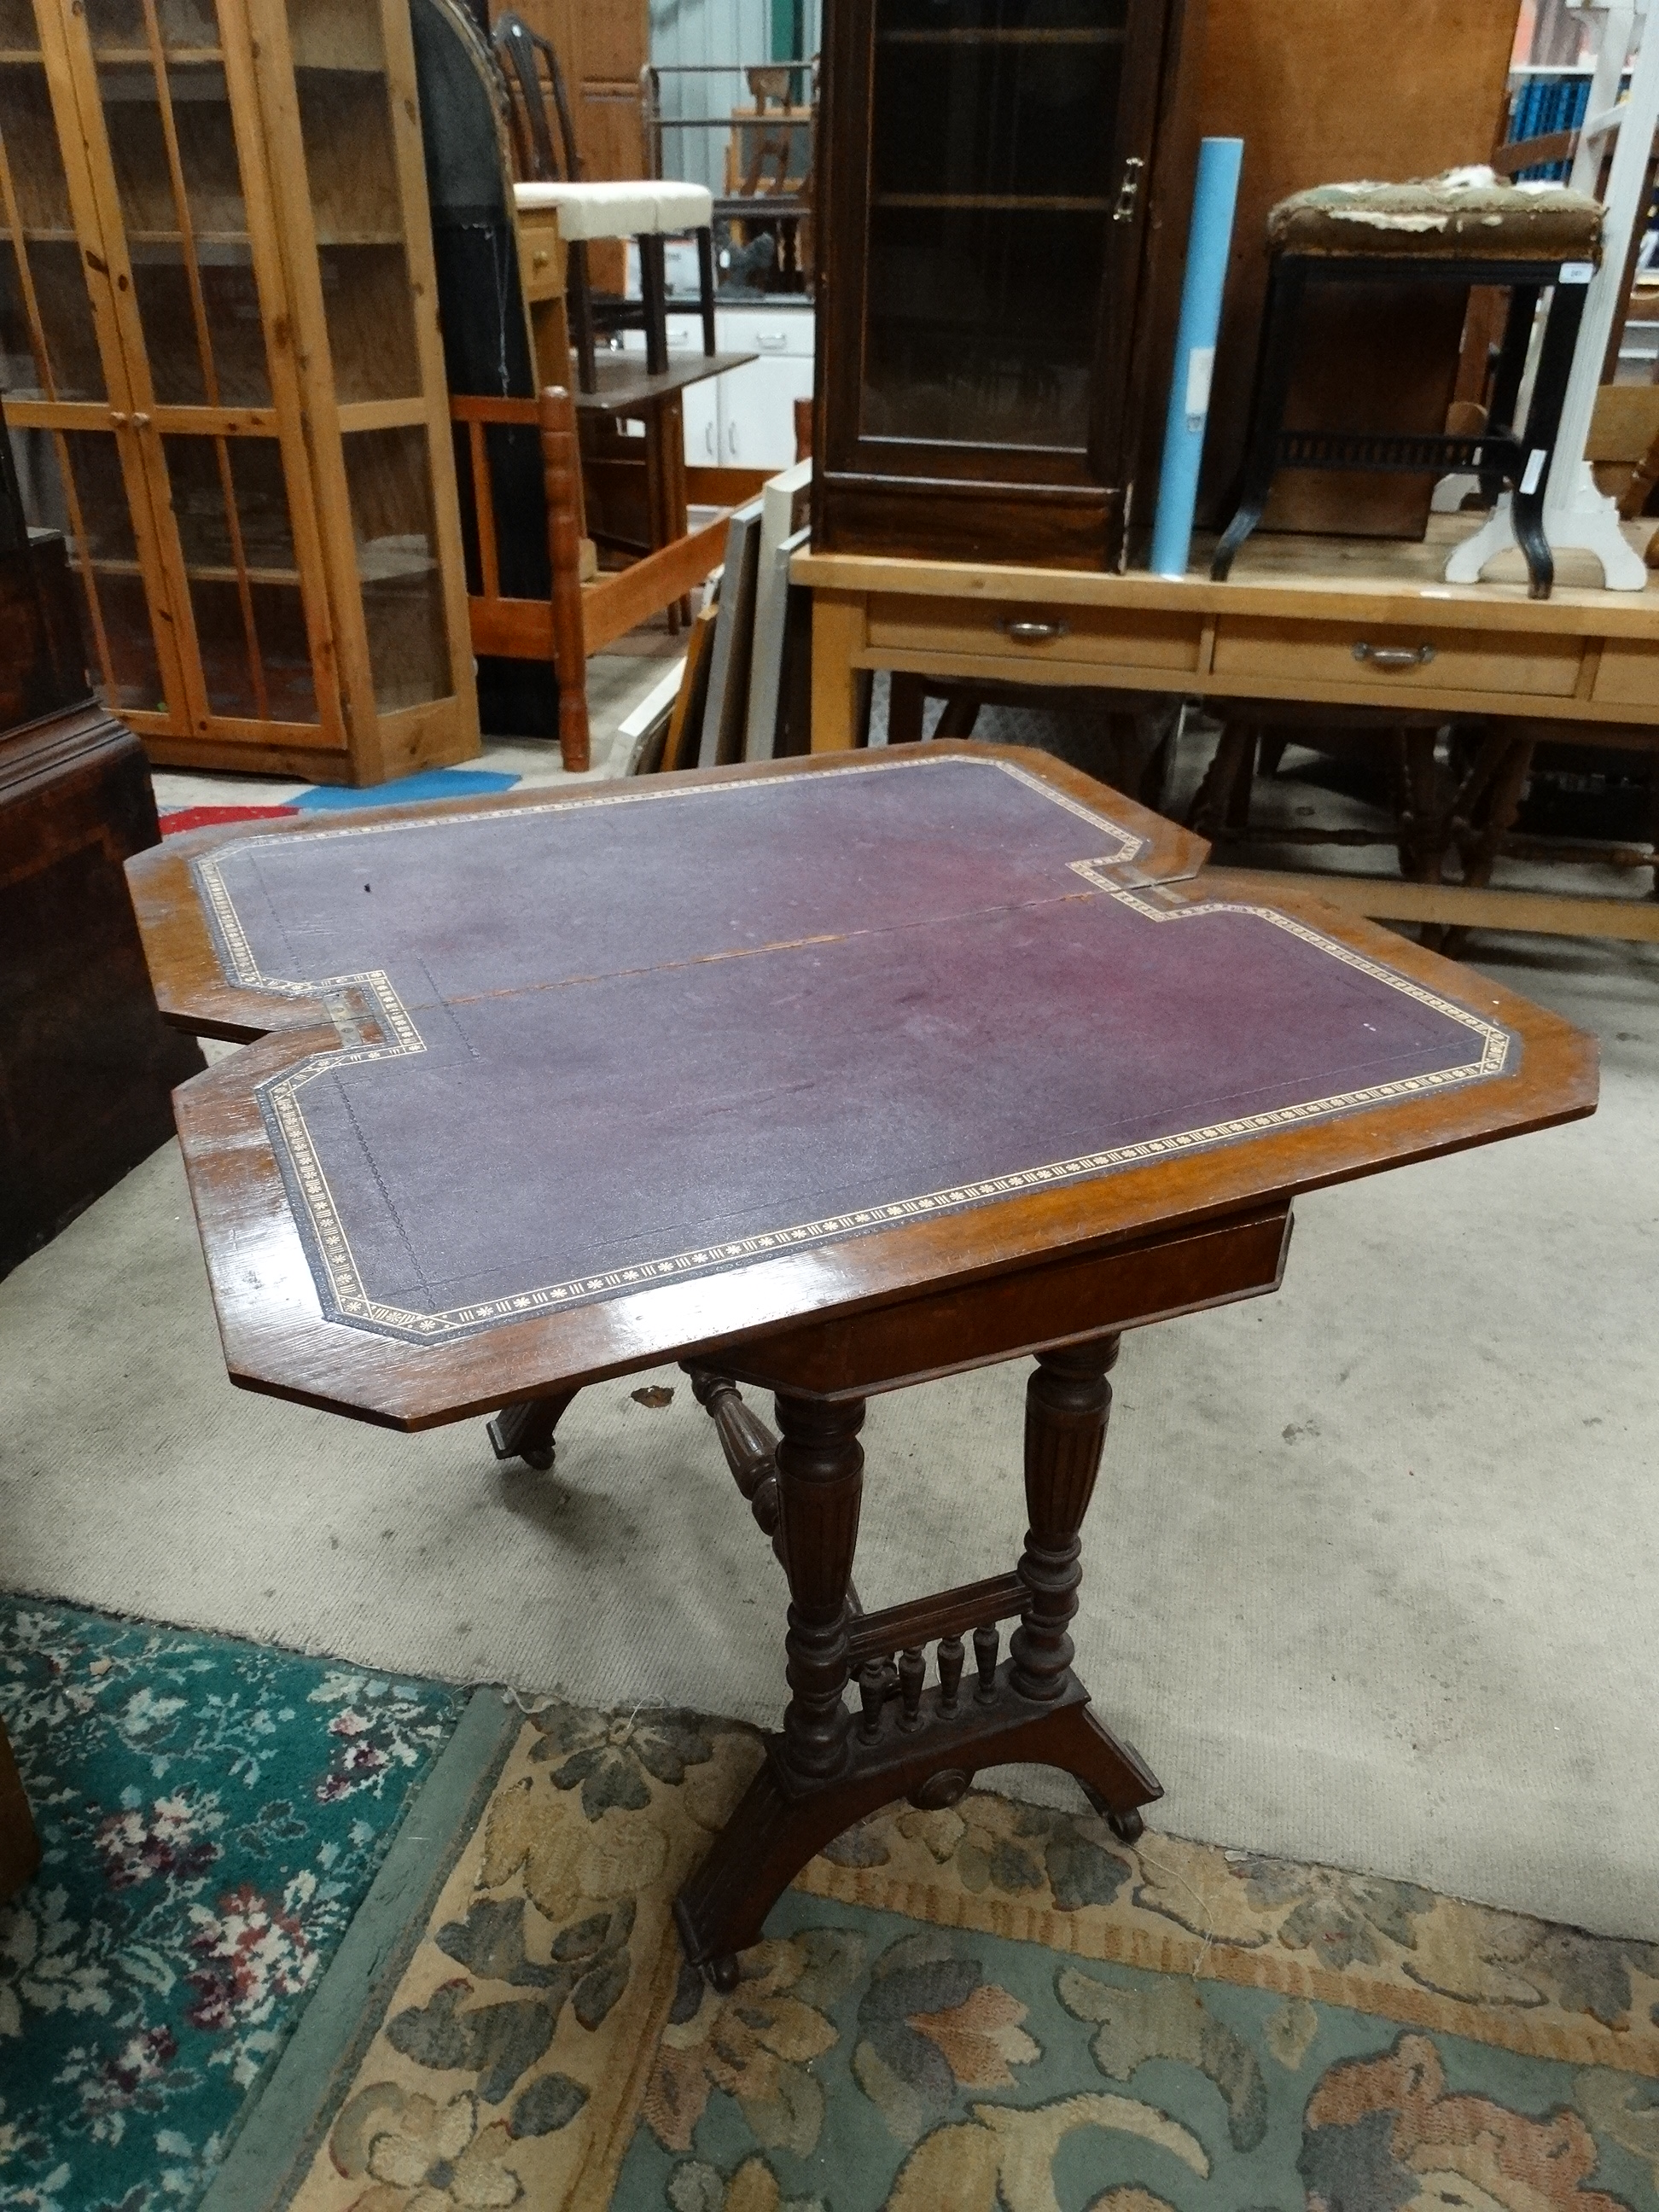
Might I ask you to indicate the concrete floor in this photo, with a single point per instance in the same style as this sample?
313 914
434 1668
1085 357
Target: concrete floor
1369 1578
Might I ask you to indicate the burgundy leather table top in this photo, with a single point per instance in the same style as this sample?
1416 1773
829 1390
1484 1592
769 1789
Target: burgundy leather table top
664 1033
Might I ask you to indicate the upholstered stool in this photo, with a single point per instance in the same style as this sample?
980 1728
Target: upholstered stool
1466 226
647 208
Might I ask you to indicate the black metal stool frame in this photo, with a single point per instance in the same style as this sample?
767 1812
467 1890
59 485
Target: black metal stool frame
1499 455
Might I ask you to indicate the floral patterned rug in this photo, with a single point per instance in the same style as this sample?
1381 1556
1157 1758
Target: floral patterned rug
211 1814
996 2009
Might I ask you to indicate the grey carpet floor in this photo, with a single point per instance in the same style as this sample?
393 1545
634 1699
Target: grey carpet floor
1371 1573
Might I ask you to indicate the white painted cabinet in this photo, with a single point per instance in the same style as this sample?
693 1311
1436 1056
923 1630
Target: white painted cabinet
745 419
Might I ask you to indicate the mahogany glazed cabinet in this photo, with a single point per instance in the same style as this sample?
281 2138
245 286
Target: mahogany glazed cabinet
219 333
988 171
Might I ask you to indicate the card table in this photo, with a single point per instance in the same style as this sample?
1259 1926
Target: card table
827 1077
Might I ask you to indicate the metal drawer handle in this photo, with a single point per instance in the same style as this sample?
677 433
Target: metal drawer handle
1395 656
1032 633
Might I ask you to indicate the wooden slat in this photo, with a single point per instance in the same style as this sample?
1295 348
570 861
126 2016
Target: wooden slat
513 629
1548 914
468 407
925 1619
483 508
618 604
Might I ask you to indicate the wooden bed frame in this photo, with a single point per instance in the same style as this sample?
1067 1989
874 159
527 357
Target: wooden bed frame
575 619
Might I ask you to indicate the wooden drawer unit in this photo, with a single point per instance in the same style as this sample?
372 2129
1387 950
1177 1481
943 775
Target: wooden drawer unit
1628 675
1026 635
541 255
1394 661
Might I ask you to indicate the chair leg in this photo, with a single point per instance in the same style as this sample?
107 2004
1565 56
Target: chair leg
580 297
1215 802
959 714
1275 369
906 698
654 294
1543 425
706 285
560 475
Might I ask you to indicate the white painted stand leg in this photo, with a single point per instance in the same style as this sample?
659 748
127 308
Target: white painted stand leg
1576 514
1586 520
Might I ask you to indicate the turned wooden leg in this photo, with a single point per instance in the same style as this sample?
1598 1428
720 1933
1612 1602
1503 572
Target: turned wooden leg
823 1772
820 1479
20 1847
1068 1402
1216 801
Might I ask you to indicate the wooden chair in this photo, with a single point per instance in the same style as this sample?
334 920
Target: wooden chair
575 619
647 210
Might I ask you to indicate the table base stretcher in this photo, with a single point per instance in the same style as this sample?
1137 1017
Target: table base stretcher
827 1768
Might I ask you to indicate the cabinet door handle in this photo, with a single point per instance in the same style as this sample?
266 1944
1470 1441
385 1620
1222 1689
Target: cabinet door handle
731 439
1128 192
1032 633
117 422
1395 656
708 440
141 422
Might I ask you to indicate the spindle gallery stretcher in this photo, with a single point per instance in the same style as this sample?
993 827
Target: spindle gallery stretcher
829 1076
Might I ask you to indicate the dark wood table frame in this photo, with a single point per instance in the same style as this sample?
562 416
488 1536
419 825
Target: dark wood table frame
1057 1274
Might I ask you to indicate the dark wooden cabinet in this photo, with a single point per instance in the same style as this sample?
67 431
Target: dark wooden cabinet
989 166
85 1063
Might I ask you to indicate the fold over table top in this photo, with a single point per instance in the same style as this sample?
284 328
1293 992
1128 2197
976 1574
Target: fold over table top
560 1086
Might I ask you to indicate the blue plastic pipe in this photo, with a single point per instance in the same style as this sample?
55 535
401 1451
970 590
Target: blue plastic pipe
1215 198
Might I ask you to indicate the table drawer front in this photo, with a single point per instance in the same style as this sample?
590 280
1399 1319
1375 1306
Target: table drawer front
1394 661
1629 677
1021 633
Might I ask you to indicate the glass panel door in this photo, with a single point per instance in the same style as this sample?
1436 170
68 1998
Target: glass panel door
350 154
77 465
995 154
221 449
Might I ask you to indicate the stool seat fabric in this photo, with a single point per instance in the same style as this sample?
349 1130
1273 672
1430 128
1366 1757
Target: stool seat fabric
1465 213
643 207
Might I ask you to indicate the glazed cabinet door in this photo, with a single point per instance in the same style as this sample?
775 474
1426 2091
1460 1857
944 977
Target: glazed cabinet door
180 259
987 163
336 80
70 408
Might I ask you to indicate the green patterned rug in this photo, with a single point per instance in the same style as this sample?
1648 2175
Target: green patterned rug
212 1814
996 2009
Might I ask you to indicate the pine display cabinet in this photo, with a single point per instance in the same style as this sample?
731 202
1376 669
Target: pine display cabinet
218 328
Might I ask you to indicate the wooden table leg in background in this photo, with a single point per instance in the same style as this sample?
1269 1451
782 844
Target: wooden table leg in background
825 1771
838 633
20 1847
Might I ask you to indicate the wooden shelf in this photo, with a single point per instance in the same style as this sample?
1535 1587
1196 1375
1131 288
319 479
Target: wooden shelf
200 571
1017 37
142 58
1051 204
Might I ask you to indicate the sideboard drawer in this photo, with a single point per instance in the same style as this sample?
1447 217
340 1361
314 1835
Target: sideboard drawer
1394 661
1629 677
1026 635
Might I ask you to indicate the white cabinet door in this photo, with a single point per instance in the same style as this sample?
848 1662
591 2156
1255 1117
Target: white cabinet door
757 411
701 405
